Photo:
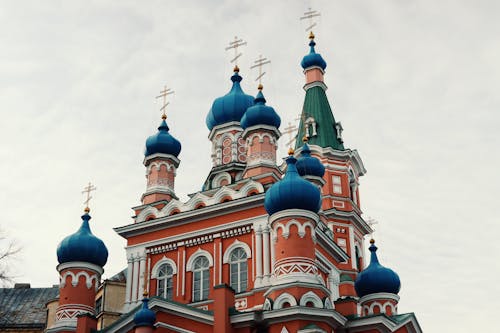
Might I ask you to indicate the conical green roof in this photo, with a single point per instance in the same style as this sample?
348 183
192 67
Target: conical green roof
316 105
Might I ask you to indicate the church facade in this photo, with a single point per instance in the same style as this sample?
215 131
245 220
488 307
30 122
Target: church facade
263 247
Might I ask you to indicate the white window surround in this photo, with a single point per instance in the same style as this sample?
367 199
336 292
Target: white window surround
311 297
337 184
282 299
199 252
164 260
236 244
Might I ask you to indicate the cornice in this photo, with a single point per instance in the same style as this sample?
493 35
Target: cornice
224 208
80 264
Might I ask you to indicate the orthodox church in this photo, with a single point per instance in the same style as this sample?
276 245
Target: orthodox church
263 247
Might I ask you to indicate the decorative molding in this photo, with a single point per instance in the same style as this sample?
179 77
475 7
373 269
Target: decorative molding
80 264
310 296
236 244
198 253
200 198
76 277
282 299
164 260
301 226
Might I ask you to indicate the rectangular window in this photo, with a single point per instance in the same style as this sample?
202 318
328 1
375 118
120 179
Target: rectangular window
337 184
342 243
98 305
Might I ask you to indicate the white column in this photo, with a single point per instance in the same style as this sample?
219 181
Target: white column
258 256
129 280
354 264
142 272
135 282
266 255
273 255
334 280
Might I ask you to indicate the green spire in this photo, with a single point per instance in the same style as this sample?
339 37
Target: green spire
323 133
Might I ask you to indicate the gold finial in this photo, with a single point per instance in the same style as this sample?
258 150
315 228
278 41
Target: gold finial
260 63
305 139
234 45
260 86
311 35
372 241
87 189
145 293
236 69
163 94
310 14
291 152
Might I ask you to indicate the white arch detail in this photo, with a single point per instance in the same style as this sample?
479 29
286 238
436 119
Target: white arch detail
282 299
236 244
311 297
158 164
200 198
150 210
199 253
219 178
164 260
267 305
301 226
75 277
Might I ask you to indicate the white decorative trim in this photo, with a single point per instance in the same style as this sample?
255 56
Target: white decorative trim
301 226
282 299
75 278
80 264
236 244
379 296
164 260
310 296
216 182
162 156
200 198
294 213
198 253
284 330
267 305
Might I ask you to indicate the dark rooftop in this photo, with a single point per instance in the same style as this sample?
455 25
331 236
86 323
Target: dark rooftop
24 307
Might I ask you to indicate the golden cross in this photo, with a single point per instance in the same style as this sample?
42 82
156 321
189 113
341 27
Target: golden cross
234 45
310 14
163 94
260 63
87 189
290 129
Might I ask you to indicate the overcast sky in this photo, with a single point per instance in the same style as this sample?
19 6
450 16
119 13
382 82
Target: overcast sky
414 83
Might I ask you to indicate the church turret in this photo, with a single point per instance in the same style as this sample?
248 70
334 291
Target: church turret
145 318
378 287
81 258
317 123
228 147
260 123
161 162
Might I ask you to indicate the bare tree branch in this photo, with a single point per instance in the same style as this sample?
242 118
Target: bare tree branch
8 251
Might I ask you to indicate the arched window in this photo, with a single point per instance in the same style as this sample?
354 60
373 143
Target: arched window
201 280
238 269
164 287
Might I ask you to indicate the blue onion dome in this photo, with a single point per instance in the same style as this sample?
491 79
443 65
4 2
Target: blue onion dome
376 278
231 106
260 113
162 142
83 246
292 192
308 165
313 58
145 316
